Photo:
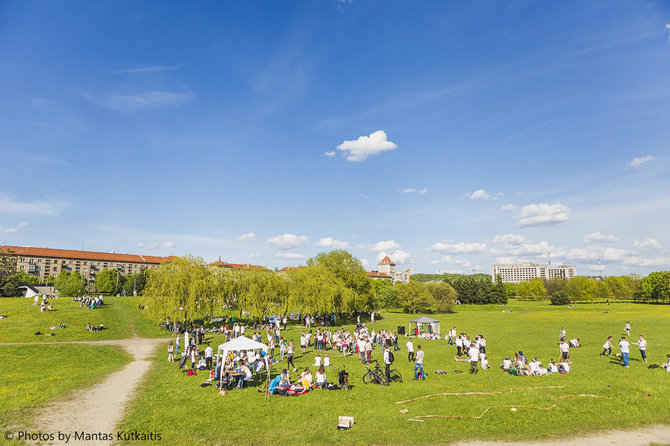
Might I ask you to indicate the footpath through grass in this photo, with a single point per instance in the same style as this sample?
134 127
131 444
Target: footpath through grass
118 314
174 405
34 376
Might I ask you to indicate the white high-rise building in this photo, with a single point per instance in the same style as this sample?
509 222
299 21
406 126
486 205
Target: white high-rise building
522 272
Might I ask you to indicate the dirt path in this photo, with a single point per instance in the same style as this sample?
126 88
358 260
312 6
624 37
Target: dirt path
100 408
659 434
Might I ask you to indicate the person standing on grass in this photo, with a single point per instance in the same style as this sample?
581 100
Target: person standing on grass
285 321
209 353
563 334
607 347
289 355
418 367
282 348
387 363
410 350
642 345
474 358
564 350
459 346
171 352
627 328
624 346
178 338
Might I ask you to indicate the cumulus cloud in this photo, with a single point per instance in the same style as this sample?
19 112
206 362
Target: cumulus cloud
17 227
509 239
287 241
646 261
330 154
595 252
458 247
598 237
386 245
509 207
647 243
374 144
11 206
411 190
155 245
330 242
289 255
448 260
542 214
249 236
479 194
397 256
636 163
519 249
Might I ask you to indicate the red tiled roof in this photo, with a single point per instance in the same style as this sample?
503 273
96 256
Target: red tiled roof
84 255
385 260
377 274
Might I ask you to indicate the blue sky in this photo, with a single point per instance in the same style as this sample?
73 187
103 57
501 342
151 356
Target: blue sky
449 135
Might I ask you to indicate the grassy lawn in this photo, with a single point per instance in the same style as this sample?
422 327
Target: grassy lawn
118 314
34 376
174 404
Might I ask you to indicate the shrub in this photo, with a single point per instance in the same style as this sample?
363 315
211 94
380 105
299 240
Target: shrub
559 298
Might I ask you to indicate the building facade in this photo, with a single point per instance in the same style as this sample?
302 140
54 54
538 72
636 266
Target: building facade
47 263
522 272
386 271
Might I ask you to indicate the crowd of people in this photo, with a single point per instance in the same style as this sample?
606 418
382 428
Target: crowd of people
90 302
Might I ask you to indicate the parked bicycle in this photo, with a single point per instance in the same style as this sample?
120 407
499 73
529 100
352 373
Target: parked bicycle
376 375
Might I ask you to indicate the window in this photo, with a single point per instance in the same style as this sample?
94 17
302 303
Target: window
31 261
21 267
71 262
39 260
84 270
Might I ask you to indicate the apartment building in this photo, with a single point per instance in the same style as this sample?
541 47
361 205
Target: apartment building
47 263
522 272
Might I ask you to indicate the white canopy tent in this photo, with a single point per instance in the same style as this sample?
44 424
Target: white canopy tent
241 343
433 324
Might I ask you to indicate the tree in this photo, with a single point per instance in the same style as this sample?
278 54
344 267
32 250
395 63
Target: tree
554 285
7 268
70 284
580 289
499 292
387 294
532 290
559 298
622 287
414 296
105 281
473 289
444 296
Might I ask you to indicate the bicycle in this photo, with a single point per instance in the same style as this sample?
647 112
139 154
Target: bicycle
396 377
375 376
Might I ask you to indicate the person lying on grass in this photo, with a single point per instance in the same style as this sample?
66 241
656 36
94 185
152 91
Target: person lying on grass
666 366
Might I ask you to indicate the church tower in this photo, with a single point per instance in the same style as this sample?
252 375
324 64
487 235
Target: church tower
386 266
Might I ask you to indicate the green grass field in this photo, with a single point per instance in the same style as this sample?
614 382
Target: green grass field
118 314
174 404
36 375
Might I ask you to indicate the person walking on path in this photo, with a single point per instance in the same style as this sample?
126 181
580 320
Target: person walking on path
418 367
624 346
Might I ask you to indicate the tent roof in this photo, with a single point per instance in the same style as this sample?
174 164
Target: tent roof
242 343
424 320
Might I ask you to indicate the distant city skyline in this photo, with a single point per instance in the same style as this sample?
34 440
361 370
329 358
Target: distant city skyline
449 137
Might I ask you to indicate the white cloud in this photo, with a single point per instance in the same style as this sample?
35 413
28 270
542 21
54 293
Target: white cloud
668 26
509 207
636 163
10 206
152 69
542 214
458 248
256 255
17 227
647 243
141 101
386 245
287 241
155 245
509 239
595 252
359 149
289 255
397 256
506 260
330 242
411 190
448 260
480 194
598 237
365 263
329 154
646 261
525 248
249 236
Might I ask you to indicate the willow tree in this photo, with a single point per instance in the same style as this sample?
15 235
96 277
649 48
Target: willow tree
265 293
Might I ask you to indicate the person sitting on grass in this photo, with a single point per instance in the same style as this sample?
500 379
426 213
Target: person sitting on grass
564 367
89 327
485 362
326 361
506 365
666 366
553 367
317 361
321 380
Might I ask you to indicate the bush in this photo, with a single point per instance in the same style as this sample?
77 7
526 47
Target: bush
559 298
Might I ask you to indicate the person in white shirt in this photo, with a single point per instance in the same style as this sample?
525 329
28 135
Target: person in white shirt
459 346
485 362
627 328
666 366
418 367
575 343
624 347
242 330
410 350
209 352
506 364
564 350
532 365
321 377
482 344
326 361
317 361
607 347
642 345
564 366
474 358
553 367
563 334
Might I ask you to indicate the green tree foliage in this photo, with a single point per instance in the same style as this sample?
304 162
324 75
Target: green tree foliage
554 285
499 292
106 281
414 296
444 277
70 284
532 290
7 269
473 289
654 288
559 298
136 281
444 296
387 293
580 289
622 287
